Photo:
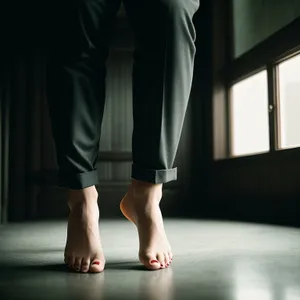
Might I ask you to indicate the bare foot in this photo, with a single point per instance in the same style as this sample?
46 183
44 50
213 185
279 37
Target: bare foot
83 250
140 205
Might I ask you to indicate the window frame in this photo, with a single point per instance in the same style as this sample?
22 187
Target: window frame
228 70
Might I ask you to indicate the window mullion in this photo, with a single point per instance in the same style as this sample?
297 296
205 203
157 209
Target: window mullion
272 95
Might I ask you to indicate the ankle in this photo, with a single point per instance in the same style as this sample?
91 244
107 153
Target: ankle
146 190
84 196
145 184
145 187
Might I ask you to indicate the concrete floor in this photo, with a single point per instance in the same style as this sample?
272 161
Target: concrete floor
213 260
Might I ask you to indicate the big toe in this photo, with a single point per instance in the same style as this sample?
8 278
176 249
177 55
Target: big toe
150 262
97 265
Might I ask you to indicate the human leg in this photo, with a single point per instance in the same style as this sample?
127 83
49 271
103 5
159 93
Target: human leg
162 79
76 93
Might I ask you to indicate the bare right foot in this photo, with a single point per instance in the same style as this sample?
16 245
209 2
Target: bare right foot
141 206
83 251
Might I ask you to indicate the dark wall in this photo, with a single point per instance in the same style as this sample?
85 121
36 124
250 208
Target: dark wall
260 189
4 144
257 20
198 203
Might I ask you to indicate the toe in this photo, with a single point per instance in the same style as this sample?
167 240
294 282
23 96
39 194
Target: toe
85 265
97 266
167 261
150 262
169 258
71 261
161 259
77 264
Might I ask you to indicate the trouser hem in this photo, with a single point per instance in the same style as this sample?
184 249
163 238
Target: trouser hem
78 181
152 175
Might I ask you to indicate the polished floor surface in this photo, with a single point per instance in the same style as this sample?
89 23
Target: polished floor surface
213 260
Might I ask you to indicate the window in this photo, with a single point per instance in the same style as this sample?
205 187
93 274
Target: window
289 103
256 77
249 128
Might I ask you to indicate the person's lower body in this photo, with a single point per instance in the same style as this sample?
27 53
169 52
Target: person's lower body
162 78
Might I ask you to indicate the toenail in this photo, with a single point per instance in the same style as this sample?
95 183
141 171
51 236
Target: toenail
96 263
153 261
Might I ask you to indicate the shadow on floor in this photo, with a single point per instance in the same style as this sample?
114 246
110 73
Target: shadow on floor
130 265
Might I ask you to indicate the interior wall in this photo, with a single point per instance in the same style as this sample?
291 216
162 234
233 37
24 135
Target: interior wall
259 190
197 204
4 146
254 21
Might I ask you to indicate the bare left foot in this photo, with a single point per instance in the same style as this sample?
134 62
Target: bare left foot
141 206
83 250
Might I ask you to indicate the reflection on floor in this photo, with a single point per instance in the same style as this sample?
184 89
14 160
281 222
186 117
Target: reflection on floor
213 260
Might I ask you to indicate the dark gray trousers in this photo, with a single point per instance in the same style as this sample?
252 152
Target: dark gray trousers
162 78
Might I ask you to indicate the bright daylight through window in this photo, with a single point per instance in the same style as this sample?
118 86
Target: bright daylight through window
289 103
249 120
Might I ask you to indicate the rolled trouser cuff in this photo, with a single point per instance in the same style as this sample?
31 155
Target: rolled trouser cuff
152 175
78 181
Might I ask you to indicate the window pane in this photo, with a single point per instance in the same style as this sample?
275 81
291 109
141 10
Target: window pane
256 20
249 116
289 103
